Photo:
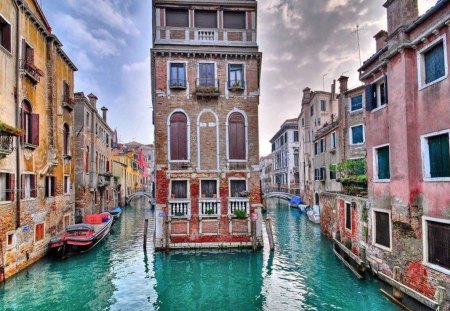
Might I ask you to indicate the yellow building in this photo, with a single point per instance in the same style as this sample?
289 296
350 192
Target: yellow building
36 170
131 180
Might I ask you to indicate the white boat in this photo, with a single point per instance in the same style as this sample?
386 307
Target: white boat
314 214
302 208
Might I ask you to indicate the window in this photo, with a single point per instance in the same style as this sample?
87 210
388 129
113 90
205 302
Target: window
323 105
66 184
86 160
206 74
179 189
39 232
333 140
436 155
356 103
437 243
87 120
234 20
205 19
28 185
235 76
382 165
295 136
66 221
357 134
27 56
30 125
50 186
177 75
66 139
237 188
312 110
323 145
7 186
10 241
177 18
432 62
316 148
303 121
320 173
332 171
5 34
377 94
348 216
209 188
382 229
236 137
178 137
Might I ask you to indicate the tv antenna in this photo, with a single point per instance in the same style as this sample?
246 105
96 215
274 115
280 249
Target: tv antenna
357 37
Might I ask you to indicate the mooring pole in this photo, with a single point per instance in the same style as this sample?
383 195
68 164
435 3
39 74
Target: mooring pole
145 232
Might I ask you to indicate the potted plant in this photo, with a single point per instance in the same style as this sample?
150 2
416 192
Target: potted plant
210 211
240 214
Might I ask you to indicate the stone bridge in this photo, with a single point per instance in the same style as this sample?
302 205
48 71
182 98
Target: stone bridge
137 195
278 194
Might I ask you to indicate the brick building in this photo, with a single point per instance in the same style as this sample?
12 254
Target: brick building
407 139
95 190
206 75
37 169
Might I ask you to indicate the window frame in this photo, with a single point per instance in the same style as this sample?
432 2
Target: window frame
179 10
34 234
188 190
374 228
4 48
333 141
169 75
169 156
236 179
375 163
425 261
242 82
228 136
13 244
323 105
351 135
347 203
217 188
421 62
350 103
426 175
66 188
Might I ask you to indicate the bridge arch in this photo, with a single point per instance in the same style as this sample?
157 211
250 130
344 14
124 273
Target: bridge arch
281 195
138 194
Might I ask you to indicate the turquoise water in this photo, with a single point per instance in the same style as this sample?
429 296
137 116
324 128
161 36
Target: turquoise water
302 274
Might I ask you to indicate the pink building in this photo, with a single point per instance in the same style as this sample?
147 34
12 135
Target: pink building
407 137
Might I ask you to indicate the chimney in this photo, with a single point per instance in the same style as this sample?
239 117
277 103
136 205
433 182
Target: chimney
400 13
333 90
380 39
306 94
104 111
343 81
93 100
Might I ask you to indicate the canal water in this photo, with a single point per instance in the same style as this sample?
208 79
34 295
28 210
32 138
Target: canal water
302 274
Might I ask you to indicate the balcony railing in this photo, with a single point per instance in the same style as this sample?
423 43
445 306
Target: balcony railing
242 204
177 83
206 87
68 102
209 206
33 73
236 85
6 144
206 35
179 207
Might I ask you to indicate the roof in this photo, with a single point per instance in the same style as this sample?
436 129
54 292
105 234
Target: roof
288 124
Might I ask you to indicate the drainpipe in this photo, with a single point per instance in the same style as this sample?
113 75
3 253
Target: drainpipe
18 183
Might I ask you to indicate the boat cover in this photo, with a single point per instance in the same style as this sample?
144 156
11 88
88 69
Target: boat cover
296 201
116 210
77 227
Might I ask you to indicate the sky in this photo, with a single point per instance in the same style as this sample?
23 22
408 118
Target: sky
304 43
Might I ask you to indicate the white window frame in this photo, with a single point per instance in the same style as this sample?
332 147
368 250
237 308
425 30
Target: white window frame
68 184
333 140
244 77
345 216
351 135
375 163
169 156
188 192
169 72
425 219
377 83
374 229
10 35
236 178
350 103
206 179
421 62
6 187
34 233
64 222
426 156
10 246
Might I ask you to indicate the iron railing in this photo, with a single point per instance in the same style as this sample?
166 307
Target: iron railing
6 143
236 85
177 83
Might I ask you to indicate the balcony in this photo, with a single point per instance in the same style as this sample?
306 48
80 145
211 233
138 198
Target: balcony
236 85
209 207
206 87
6 144
241 204
180 208
206 35
68 103
177 84
32 73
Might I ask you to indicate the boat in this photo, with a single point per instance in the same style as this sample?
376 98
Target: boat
116 212
80 238
295 201
314 214
302 208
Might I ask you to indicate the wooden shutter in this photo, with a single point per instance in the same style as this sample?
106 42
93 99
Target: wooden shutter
33 186
178 137
439 154
53 186
236 136
382 234
234 19
22 186
177 18
6 36
10 186
383 163
348 216
29 56
369 90
206 19
34 117
439 244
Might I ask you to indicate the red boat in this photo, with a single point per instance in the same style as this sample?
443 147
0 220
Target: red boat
80 238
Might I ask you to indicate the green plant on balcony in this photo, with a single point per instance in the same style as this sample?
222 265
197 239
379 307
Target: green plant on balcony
210 211
240 214
207 89
352 175
10 130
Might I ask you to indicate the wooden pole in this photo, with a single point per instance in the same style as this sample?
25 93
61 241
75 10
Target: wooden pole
270 233
145 232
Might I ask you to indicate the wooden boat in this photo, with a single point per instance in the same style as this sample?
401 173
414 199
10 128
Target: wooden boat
116 212
314 214
80 238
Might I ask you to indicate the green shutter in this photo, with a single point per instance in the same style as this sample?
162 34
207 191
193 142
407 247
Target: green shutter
438 148
383 163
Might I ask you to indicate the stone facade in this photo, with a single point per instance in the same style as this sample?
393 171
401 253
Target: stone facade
189 218
38 98
95 190
266 167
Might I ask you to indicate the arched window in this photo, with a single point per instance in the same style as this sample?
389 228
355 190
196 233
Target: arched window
317 199
236 136
30 125
66 139
86 164
178 137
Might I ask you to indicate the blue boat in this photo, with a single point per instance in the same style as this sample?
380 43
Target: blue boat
116 212
295 202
